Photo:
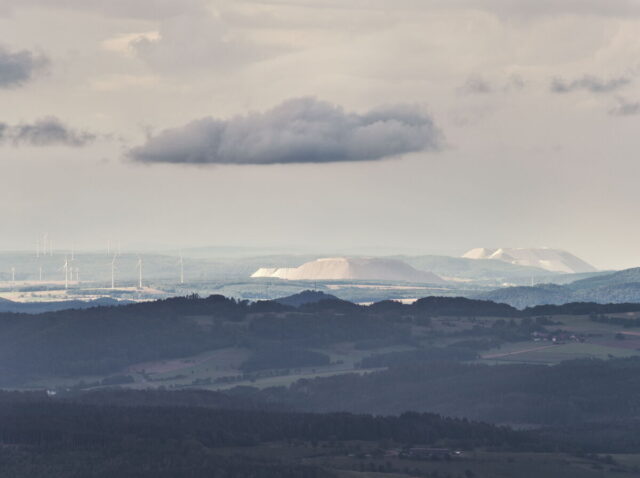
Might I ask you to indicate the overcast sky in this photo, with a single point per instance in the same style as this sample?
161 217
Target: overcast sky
429 126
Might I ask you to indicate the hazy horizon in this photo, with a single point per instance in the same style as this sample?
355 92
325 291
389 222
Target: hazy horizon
432 126
238 252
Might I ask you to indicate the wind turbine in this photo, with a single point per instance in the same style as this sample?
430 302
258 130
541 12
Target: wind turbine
13 276
113 272
66 272
181 269
139 267
40 270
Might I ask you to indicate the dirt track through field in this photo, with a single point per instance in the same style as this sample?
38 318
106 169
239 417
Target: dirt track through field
517 352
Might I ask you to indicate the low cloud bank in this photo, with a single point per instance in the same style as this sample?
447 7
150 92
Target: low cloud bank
302 130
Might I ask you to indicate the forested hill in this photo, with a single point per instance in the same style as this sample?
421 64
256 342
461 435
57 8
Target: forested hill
618 287
28 419
106 340
51 438
42 307
230 308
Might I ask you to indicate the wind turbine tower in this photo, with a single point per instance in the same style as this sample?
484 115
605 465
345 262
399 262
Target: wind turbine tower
66 272
113 273
139 266
181 269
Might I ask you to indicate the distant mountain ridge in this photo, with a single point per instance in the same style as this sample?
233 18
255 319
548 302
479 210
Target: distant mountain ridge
41 307
617 287
555 260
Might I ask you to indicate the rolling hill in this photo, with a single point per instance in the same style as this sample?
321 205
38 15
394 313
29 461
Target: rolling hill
617 287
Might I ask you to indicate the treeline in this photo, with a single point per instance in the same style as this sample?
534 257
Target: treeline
77 425
620 321
615 436
570 393
580 308
46 437
124 397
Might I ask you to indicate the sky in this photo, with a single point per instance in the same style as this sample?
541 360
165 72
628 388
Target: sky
422 126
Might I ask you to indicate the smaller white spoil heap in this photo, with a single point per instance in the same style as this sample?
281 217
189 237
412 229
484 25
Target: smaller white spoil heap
554 260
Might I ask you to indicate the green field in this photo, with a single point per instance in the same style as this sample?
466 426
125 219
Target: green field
600 341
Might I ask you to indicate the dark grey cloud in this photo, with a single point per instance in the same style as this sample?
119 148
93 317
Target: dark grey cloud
302 130
625 108
589 83
19 67
47 131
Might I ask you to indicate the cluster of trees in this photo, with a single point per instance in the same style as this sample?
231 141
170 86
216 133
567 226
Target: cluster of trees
51 437
572 393
625 322
580 308
461 307
123 397
139 459
78 425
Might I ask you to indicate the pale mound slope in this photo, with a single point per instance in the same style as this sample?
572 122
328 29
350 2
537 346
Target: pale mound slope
343 268
555 260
